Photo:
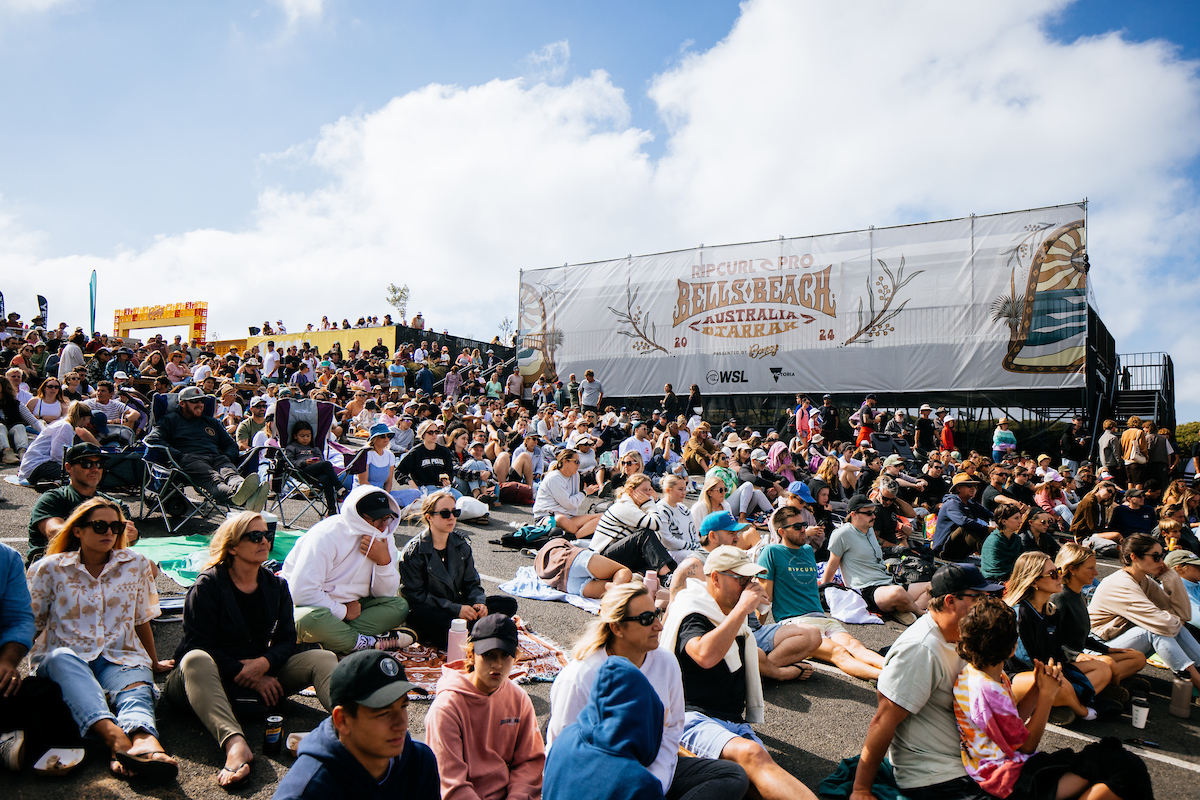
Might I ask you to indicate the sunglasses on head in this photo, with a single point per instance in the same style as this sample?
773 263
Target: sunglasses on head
447 513
102 527
646 618
256 537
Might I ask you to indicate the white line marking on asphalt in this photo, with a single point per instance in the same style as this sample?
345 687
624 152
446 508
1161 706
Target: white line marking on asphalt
1151 754
18 539
490 578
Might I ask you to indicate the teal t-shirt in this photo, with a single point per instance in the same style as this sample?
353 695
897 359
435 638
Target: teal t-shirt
1000 554
794 573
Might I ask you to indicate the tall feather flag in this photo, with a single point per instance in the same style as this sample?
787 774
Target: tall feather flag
44 310
92 287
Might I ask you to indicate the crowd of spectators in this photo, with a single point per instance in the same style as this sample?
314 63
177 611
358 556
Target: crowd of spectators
698 603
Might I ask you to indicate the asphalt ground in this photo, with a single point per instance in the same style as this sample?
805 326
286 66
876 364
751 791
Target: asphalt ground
810 726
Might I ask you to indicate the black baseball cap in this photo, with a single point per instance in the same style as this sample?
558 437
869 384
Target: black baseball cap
860 502
370 678
954 578
495 632
375 505
82 451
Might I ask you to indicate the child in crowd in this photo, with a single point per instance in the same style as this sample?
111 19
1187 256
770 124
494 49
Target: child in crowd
1000 737
311 461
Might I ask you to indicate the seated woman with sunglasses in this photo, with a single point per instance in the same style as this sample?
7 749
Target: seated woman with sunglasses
1034 580
239 642
560 494
47 405
628 627
93 600
1144 606
629 465
439 578
722 459
628 531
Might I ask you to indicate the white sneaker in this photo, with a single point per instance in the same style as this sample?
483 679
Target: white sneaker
9 457
12 750
905 618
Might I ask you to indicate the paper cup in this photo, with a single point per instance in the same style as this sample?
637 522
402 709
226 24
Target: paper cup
1141 710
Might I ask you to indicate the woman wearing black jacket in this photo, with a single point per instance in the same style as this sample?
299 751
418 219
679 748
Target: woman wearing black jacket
239 642
438 576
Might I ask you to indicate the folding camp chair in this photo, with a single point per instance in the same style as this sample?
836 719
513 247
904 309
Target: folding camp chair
288 480
165 484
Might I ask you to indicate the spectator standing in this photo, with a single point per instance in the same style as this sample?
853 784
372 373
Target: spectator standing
591 393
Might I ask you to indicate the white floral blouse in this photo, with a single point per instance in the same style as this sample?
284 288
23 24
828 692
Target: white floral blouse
92 616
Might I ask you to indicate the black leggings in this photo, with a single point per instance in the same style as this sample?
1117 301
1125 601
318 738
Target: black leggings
324 474
432 623
640 552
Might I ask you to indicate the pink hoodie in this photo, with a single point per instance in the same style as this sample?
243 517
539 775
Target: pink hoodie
488 747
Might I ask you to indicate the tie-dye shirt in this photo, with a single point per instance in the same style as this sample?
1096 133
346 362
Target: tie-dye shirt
991 729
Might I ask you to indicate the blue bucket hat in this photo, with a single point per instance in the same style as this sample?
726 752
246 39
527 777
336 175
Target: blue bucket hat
379 429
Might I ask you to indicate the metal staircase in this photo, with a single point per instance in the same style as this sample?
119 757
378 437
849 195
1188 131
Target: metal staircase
1145 387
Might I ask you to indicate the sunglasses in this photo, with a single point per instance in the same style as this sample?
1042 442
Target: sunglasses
447 513
866 513
743 580
793 526
720 489
90 463
646 618
1155 557
256 537
630 463
101 527
1054 573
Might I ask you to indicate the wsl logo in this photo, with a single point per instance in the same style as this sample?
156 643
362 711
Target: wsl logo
778 372
726 376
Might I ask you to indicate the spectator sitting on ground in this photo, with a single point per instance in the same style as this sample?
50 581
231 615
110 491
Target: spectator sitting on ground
84 464
1077 567
1000 732
706 630
528 462
678 529
1144 606
363 751
560 495
47 404
1036 532
428 466
1133 516
712 499
1003 545
481 726
14 416
93 599
1091 526
404 437
790 582
121 418
628 627
439 578
229 410
915 717
628 531
855 550
962 524
239 641
344 578
206 452
41 461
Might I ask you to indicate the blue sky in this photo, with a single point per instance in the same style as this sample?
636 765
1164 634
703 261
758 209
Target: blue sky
235 151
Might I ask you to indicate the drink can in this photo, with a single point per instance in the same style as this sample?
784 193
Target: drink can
273 735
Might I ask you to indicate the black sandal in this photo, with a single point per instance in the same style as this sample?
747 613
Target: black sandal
147 768
235 783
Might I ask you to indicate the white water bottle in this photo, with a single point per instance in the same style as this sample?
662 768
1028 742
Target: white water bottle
456 641
650 581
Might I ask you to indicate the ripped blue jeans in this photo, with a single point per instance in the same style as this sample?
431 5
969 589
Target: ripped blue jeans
89 687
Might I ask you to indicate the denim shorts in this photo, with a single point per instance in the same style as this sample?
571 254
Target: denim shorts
579 576
765 636
707 736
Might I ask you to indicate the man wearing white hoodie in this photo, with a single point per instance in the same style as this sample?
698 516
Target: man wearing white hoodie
345 579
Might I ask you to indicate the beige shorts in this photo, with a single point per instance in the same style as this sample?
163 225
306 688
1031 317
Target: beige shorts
828 625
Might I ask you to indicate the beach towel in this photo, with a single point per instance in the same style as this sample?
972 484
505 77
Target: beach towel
526 584
181 557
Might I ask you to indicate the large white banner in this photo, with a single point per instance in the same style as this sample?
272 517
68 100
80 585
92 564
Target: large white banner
981 303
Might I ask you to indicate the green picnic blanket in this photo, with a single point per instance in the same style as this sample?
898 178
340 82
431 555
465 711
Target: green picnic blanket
181 557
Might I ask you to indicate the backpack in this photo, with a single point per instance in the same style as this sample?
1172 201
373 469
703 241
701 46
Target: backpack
532 535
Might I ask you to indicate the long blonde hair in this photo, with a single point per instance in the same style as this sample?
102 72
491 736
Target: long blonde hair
710 482
65 540
614 606
1025 573
632 483
1071 557
227 537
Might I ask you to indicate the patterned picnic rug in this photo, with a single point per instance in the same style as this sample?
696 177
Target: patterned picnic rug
538 660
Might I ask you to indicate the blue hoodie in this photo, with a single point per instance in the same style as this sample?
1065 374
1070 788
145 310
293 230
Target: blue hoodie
325 769
611 744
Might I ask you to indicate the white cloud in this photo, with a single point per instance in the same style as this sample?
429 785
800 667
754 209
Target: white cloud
296 10
808 117
548 63
32 6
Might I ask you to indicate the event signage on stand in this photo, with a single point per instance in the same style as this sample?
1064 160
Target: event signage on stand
989 302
